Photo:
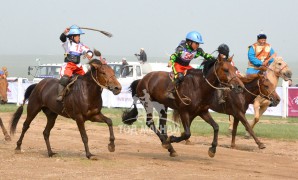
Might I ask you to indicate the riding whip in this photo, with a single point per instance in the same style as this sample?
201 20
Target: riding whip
103 32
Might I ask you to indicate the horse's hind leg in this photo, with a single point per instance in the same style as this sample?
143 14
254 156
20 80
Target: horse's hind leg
51 119
32 111
7 137
163 131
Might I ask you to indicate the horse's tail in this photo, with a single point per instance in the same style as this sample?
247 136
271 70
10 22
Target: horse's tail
130 116
176 116
17 115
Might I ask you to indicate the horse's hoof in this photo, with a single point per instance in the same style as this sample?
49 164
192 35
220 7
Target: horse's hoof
211 153
51 154
111 147
18 151
188 142
173 154
93 158
7 138
262 146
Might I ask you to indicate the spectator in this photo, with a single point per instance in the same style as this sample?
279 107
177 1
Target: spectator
124 68
142 57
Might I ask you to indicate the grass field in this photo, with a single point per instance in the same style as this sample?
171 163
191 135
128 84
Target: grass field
269 126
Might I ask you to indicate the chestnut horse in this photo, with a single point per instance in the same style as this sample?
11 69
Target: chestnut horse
3 98
82 103
278 68
198 87
237 103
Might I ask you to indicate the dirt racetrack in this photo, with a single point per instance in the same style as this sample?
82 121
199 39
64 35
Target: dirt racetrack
139 156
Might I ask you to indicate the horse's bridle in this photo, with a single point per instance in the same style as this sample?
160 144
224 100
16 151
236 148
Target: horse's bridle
261 94
279 72
227 85
97 81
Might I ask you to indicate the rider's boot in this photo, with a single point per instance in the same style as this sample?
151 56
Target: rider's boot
60 93
170 94
62 84
220 96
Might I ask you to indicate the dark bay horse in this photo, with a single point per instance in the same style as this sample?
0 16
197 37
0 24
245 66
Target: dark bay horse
198 85
83 103
3 99
237 103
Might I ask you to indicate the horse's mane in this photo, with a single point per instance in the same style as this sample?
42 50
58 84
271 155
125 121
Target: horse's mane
207 65
248 78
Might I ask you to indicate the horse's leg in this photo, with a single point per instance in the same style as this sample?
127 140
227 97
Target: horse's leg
163 130
234 131
249 129
101 118
207 117
32 110
51 119
7 137
231 123
186 122
81 125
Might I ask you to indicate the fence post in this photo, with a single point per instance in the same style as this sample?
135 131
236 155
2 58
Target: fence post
284 98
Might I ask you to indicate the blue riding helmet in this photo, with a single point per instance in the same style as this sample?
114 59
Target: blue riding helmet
195 37
75 30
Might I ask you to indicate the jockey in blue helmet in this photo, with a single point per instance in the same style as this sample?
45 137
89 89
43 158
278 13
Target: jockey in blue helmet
186 51
74 49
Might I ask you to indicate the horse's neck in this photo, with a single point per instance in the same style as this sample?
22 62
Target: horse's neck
272 77
253 88
92 89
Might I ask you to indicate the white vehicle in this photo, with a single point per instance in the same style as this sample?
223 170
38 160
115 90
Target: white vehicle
127 73
47 71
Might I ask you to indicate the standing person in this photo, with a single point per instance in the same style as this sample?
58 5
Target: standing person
259 54
142 57
74 49
186 51
124 69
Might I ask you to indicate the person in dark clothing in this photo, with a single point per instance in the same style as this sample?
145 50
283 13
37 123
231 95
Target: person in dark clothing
124 68
142 57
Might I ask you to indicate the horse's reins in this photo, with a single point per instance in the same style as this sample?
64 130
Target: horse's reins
261 94
97 82
279 72
219 88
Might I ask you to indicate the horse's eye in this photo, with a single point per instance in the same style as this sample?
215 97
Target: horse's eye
279 63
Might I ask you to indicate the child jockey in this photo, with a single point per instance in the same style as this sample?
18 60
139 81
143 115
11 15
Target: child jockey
187 50
73 51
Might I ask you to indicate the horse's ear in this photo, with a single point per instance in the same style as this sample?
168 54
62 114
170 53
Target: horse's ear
4 69
230 59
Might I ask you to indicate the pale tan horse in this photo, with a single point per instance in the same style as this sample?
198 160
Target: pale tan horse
278 68
3 98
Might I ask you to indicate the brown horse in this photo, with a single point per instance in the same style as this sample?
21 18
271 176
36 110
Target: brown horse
197 87
82 103
3 99
237 103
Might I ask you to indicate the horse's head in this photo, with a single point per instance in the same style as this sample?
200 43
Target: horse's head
3 90
280 68
267 90
105 76
226 74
